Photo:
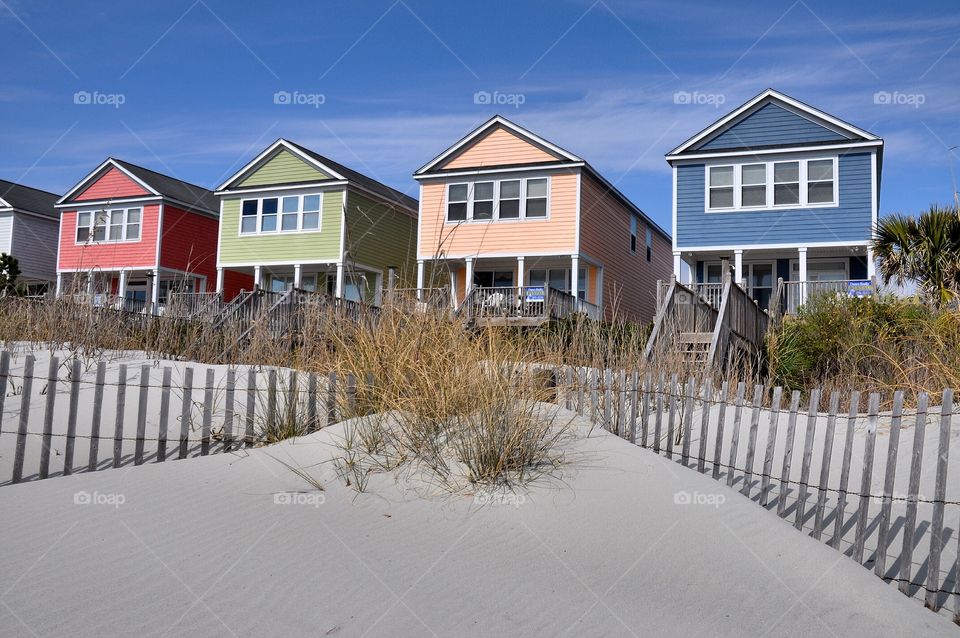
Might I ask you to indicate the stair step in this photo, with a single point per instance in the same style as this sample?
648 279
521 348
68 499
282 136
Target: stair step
694 338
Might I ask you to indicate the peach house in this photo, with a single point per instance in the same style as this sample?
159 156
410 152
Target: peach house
520 231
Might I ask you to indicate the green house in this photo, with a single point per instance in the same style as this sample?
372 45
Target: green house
294 218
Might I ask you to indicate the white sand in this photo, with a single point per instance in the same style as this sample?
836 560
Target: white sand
201 548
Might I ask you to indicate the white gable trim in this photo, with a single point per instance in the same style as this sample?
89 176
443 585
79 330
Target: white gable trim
108 163
494 121
4 204
795 106
249 166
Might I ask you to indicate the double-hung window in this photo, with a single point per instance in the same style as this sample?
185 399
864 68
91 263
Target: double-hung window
649 244
483 200
536 198
633 234
820 181
753 185
506 199
115 224
793 183
509 207
786 183
721 187
286 214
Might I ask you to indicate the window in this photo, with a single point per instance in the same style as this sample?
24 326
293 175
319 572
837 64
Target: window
633 234
721 187
558 278
498 200
782 184
116 224
296 213
649 244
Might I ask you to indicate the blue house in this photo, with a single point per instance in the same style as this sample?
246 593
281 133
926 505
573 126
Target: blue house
778 190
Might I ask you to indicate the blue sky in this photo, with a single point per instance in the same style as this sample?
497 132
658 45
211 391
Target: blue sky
387 85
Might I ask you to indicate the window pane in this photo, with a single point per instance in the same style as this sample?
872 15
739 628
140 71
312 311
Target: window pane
820 193
458 192
457 211
560 279
536 188
483 190
99 233
721 176
754 174
820 169
510 189
270 206
291 204
83 233
483 210
537 277
268 222
537 207
248 225
116 217
133 216
116 232
510 209
786 172
721 197
753 196
133 231
289 222
311 221
250 207
786 194
83 219
311 202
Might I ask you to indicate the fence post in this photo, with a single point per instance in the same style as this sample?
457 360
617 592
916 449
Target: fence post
207 413
825 465
845 470
228 409
4 375
704 423
164 415
121 407
26 389
721 419
890 472
645 416
735 441
95 418
939 496
634 404
185 409
865 479
674 390
913 493
771 442
48 417
251 407
691 404
142 414
752 440
71 416
788 452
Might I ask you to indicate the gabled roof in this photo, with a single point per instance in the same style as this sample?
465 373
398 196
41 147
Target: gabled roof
32 200
494 122
793 105
157 184
337 170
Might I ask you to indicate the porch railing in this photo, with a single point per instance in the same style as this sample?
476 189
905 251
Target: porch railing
418 298
193 304
526 302
793 294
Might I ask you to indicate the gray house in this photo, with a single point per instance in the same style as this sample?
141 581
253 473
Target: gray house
29 229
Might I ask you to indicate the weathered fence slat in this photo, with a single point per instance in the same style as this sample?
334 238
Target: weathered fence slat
812 414
271 401
873 407
939 496
118 423
890 472
568 387
634 404
71 417
581 390
207 413
721 417
142 414
622 403
164 415
752 440
706 405
229 408
735 439
691 404
186 407
594 386
608 400
645 417
913 493
26 390
312 402
251 407
95 418
658 421
331 398
671 423
845 470
4 375
771 443
51 403
825 465
788 452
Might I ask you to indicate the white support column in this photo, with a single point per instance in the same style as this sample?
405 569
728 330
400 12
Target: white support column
220 280
122 289
257 277
738 273
468 280
59 290
677 265
420 276
453 287
574 274
340 280
871 263
297 274
803 274
520 279
155 293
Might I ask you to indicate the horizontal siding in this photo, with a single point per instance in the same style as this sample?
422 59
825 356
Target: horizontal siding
284 168
497 147
111 185
771 125
109 255
189 243
554 235
629 280
35 246
6 233
289 248
380 236
850 221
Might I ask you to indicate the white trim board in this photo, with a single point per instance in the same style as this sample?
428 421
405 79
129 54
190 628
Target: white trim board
747 247
505 169
692 158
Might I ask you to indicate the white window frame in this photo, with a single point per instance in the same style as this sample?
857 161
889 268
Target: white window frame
107 216
738 184
279 229
496 200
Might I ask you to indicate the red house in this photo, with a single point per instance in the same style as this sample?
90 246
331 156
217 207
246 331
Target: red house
133 234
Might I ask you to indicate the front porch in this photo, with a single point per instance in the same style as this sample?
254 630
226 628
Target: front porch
782 279
137 290
336 279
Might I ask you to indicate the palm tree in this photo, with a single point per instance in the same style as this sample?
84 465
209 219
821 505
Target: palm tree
924 249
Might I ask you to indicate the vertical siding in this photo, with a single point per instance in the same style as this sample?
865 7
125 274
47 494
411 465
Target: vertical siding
771 125
112 184
850 221
629 280
35 246
554 235
500 146
380 235
284 168
109 255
